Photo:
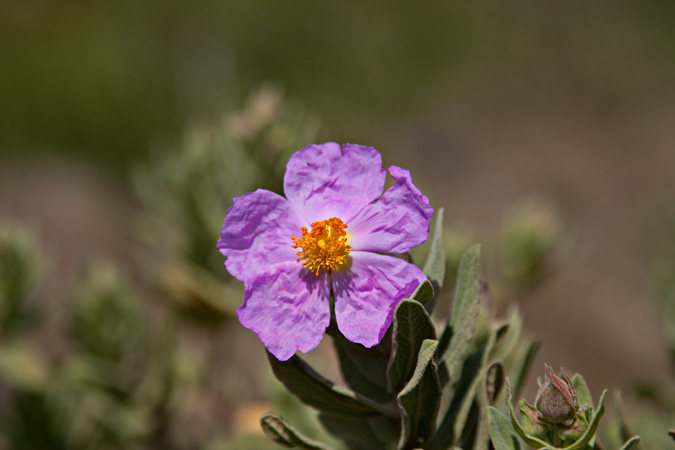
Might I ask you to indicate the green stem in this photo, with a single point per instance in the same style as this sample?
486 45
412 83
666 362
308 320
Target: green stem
556 438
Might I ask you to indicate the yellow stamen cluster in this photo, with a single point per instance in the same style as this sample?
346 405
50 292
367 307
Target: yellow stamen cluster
325 247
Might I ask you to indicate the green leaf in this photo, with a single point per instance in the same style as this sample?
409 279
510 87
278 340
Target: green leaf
316 391
630 443
581 388
501 432
277 430
461 327
412 325
424 292
420 399
589 435
377 433
434 266
508 344
363 370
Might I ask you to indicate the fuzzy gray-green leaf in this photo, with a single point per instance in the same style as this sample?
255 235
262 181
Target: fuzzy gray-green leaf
589 435
501 432
363 371
277 430
316 391
412 325
581 388
461 325
434 266
420 399
424 292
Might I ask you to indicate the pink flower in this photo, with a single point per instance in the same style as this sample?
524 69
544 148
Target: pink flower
325 237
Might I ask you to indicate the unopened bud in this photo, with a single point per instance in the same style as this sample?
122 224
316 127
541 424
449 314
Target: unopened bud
557 400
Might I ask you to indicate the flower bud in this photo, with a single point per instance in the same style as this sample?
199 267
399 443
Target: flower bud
557 400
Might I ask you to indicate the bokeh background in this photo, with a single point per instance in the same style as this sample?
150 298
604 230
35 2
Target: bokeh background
488 104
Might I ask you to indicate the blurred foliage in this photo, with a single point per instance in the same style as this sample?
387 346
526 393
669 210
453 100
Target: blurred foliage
21 269
102 79
530 232
184 192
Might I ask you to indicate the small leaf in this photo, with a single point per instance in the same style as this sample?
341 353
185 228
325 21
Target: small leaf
589 435
424 292
632 442
461 325
508 344
412 325
359 376
581 388
316 391
501 432
420 399
434 266
277 430
371 362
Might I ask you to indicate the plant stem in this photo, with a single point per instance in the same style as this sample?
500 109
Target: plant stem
556 438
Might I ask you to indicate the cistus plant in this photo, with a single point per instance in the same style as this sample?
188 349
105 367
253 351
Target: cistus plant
331 258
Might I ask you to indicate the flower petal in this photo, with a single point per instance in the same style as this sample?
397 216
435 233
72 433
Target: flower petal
257 232
324 181
367 291
395 223
288 307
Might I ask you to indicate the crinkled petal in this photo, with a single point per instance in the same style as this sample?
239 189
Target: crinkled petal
367 291
324 181
288 307
395 223
257 232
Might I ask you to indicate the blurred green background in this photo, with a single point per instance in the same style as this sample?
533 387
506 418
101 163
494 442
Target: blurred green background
99 80
486 103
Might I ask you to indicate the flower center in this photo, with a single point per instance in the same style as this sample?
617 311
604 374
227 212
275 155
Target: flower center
325 247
